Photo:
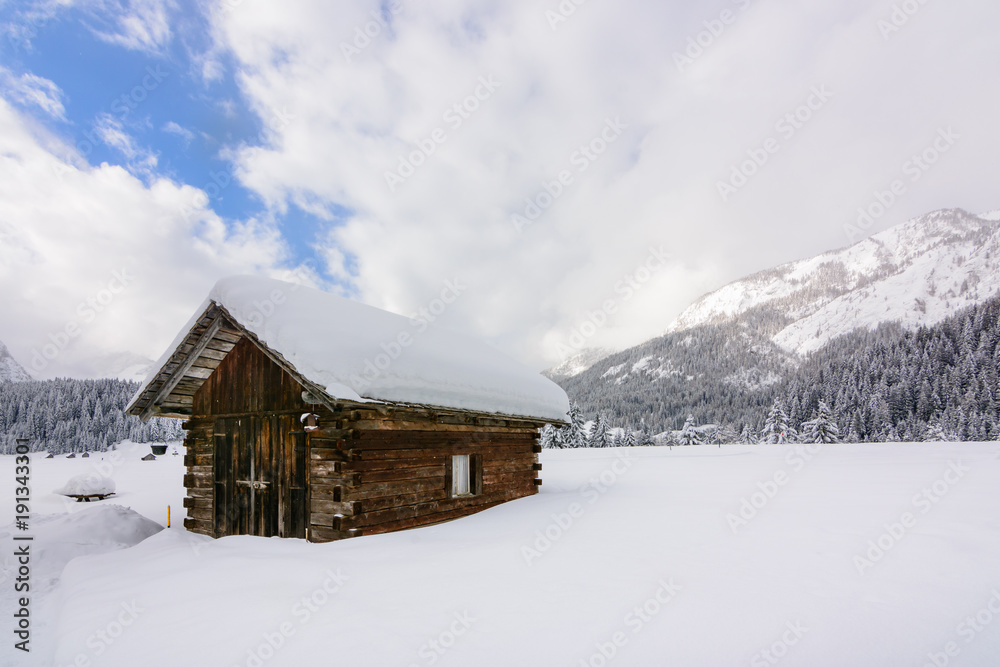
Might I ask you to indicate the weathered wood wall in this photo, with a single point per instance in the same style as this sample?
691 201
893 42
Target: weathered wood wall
371 473
367 470
171 393
247 409
199 480
248 383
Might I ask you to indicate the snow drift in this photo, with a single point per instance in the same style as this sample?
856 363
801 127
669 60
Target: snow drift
691 557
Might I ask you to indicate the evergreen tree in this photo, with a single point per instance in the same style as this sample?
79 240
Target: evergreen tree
689 435
886 383
724 435
66 415
599 433
577 435
547 437
935 432
822 428
747 436
777 430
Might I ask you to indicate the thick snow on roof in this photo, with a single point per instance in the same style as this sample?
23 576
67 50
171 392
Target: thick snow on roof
358 352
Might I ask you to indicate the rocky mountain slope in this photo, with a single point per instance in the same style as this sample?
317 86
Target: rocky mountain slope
746 341
9 368
917 273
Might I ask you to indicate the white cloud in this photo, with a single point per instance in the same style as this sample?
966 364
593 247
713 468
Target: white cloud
31 90
173 128
364 92
139 25
141 161
68 235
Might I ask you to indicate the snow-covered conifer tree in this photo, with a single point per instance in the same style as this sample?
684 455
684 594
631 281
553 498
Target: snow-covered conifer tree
777 430
822 428
598 433
724 435
577 433
550 437
689 435
935 432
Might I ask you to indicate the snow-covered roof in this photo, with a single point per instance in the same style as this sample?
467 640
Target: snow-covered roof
359 353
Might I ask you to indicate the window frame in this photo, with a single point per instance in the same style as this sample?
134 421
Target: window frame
474 470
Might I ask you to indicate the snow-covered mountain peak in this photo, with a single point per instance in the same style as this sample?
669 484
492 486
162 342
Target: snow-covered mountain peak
10 369
578 363
916 273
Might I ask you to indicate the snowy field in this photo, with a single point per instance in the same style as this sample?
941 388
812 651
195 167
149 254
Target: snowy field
857 555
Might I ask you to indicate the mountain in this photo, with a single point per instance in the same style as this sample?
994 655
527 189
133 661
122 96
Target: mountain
577 363
123 366
917 273
10 369
743 345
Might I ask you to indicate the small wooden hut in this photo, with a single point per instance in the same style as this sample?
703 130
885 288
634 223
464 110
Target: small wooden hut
316 417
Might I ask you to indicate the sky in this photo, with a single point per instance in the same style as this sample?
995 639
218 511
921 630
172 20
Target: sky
576 171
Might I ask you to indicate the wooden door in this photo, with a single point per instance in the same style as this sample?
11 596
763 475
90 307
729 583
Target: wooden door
260 477
295 500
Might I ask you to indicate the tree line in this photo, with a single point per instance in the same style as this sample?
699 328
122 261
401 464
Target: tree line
66 415
887 384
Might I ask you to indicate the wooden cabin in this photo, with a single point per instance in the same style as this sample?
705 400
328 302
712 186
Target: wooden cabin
298 427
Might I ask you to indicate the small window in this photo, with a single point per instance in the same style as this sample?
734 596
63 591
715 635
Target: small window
461 476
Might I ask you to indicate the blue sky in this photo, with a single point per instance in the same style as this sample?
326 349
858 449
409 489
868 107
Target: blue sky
160 99
385 151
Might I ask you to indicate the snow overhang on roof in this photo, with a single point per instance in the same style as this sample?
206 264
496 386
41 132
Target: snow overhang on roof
346 351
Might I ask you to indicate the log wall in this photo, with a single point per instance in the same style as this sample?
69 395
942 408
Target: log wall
199 458
374 473
369 469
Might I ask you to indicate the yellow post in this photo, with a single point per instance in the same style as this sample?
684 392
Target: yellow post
168 516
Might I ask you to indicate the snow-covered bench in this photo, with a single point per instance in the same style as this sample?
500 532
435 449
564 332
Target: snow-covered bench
88 487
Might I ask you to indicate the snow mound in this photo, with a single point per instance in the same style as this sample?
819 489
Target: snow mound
59 538
87 485
98 530
663 518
